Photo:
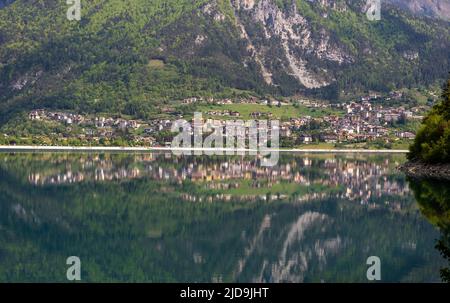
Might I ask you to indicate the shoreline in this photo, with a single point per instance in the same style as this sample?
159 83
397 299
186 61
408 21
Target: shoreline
4 148
419 170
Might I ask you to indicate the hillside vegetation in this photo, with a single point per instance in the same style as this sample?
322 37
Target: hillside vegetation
133 57
432 143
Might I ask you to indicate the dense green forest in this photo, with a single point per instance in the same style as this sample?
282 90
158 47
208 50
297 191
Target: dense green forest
432 143
137 56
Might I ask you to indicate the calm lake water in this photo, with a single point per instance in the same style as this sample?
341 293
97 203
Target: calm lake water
160 218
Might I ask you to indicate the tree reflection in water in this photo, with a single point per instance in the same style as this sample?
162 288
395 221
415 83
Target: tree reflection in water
433 197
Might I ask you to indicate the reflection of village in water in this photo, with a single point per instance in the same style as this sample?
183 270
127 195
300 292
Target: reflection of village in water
345 177
325 214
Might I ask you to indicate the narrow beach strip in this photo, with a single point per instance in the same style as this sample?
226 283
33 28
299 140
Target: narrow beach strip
170 149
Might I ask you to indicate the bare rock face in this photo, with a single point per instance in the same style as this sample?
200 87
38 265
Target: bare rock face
285 46
282 39
431 8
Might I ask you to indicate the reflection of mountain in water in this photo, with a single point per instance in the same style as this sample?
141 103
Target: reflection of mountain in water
139 228
325 243
293 267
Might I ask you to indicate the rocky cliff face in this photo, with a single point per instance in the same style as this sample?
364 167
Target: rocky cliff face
285 32
431 8
307 44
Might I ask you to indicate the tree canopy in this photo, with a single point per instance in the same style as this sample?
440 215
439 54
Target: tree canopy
432 144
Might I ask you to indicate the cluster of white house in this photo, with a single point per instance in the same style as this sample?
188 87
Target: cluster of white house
360 121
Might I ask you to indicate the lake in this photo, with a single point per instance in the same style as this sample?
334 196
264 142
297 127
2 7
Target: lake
156 217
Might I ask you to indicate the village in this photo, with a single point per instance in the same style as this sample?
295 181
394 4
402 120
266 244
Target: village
362 120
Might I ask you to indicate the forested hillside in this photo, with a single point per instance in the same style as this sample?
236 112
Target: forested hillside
134 56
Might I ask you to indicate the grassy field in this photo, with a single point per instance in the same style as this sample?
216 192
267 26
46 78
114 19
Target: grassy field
281 113
320 145
246 189
401 145
156 64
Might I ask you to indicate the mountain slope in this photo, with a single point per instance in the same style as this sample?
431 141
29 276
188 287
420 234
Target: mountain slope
4 3
133 56
431 8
